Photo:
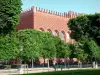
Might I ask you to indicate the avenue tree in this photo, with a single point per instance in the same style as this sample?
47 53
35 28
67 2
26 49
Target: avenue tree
8 47
85 26
63 49
30 43
48 50
36 44
86 31
9 18
9 15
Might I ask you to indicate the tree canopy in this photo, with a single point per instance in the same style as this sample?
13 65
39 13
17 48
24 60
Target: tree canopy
36 44
86 31
85 26
92 49
8 47
48 45
79 52
62 48
30 42
9 15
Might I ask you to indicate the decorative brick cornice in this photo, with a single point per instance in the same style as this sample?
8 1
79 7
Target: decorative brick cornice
69 14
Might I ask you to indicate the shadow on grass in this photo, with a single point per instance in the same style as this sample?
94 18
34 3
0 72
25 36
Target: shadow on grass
71 72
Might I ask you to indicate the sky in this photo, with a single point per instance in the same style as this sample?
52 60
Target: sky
80 6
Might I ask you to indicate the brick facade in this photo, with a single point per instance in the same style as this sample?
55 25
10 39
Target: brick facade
47 20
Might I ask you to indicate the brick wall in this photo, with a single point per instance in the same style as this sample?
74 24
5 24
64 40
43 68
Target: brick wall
47 20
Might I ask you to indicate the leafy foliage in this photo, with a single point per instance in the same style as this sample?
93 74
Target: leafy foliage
48 46
30 42
93 49
9 15
86 31
8 47
40 44
79 52
79 27
90 47
62 48
86 26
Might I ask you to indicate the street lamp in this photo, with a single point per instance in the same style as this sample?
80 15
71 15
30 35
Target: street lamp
20 52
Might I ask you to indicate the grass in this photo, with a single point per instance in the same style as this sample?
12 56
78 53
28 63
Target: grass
71 72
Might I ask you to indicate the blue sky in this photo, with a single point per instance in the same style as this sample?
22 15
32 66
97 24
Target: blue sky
81 6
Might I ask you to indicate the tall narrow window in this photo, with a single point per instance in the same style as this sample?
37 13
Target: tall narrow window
56 33
49 30
41 29
62 35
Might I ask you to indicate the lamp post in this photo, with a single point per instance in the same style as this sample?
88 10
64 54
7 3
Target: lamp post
20 52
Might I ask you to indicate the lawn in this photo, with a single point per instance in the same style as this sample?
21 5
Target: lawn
71 72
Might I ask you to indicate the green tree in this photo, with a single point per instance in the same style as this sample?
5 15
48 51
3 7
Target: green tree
94 27
58 45
86 29
78 27
85 26
48 47
8 47
30 42
36 44
49 50
79 53
66 52
9 15
62 49
91 48
94 52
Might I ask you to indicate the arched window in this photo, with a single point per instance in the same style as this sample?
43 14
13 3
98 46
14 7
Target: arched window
62 35
49 30
41 29
68 36
56 33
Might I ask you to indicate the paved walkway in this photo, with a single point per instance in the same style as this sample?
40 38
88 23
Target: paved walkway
34 70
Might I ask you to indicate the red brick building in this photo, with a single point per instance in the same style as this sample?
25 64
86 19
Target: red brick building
47 20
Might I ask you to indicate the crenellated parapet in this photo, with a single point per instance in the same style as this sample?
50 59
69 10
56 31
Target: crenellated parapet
34 9
26 11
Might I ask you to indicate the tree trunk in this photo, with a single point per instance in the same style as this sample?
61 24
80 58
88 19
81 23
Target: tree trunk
32 63
68 65
44 63
87 63
27 68
6 62
57 66
96 64
21 68
48 65
9 69
93 63
65 62
79 64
